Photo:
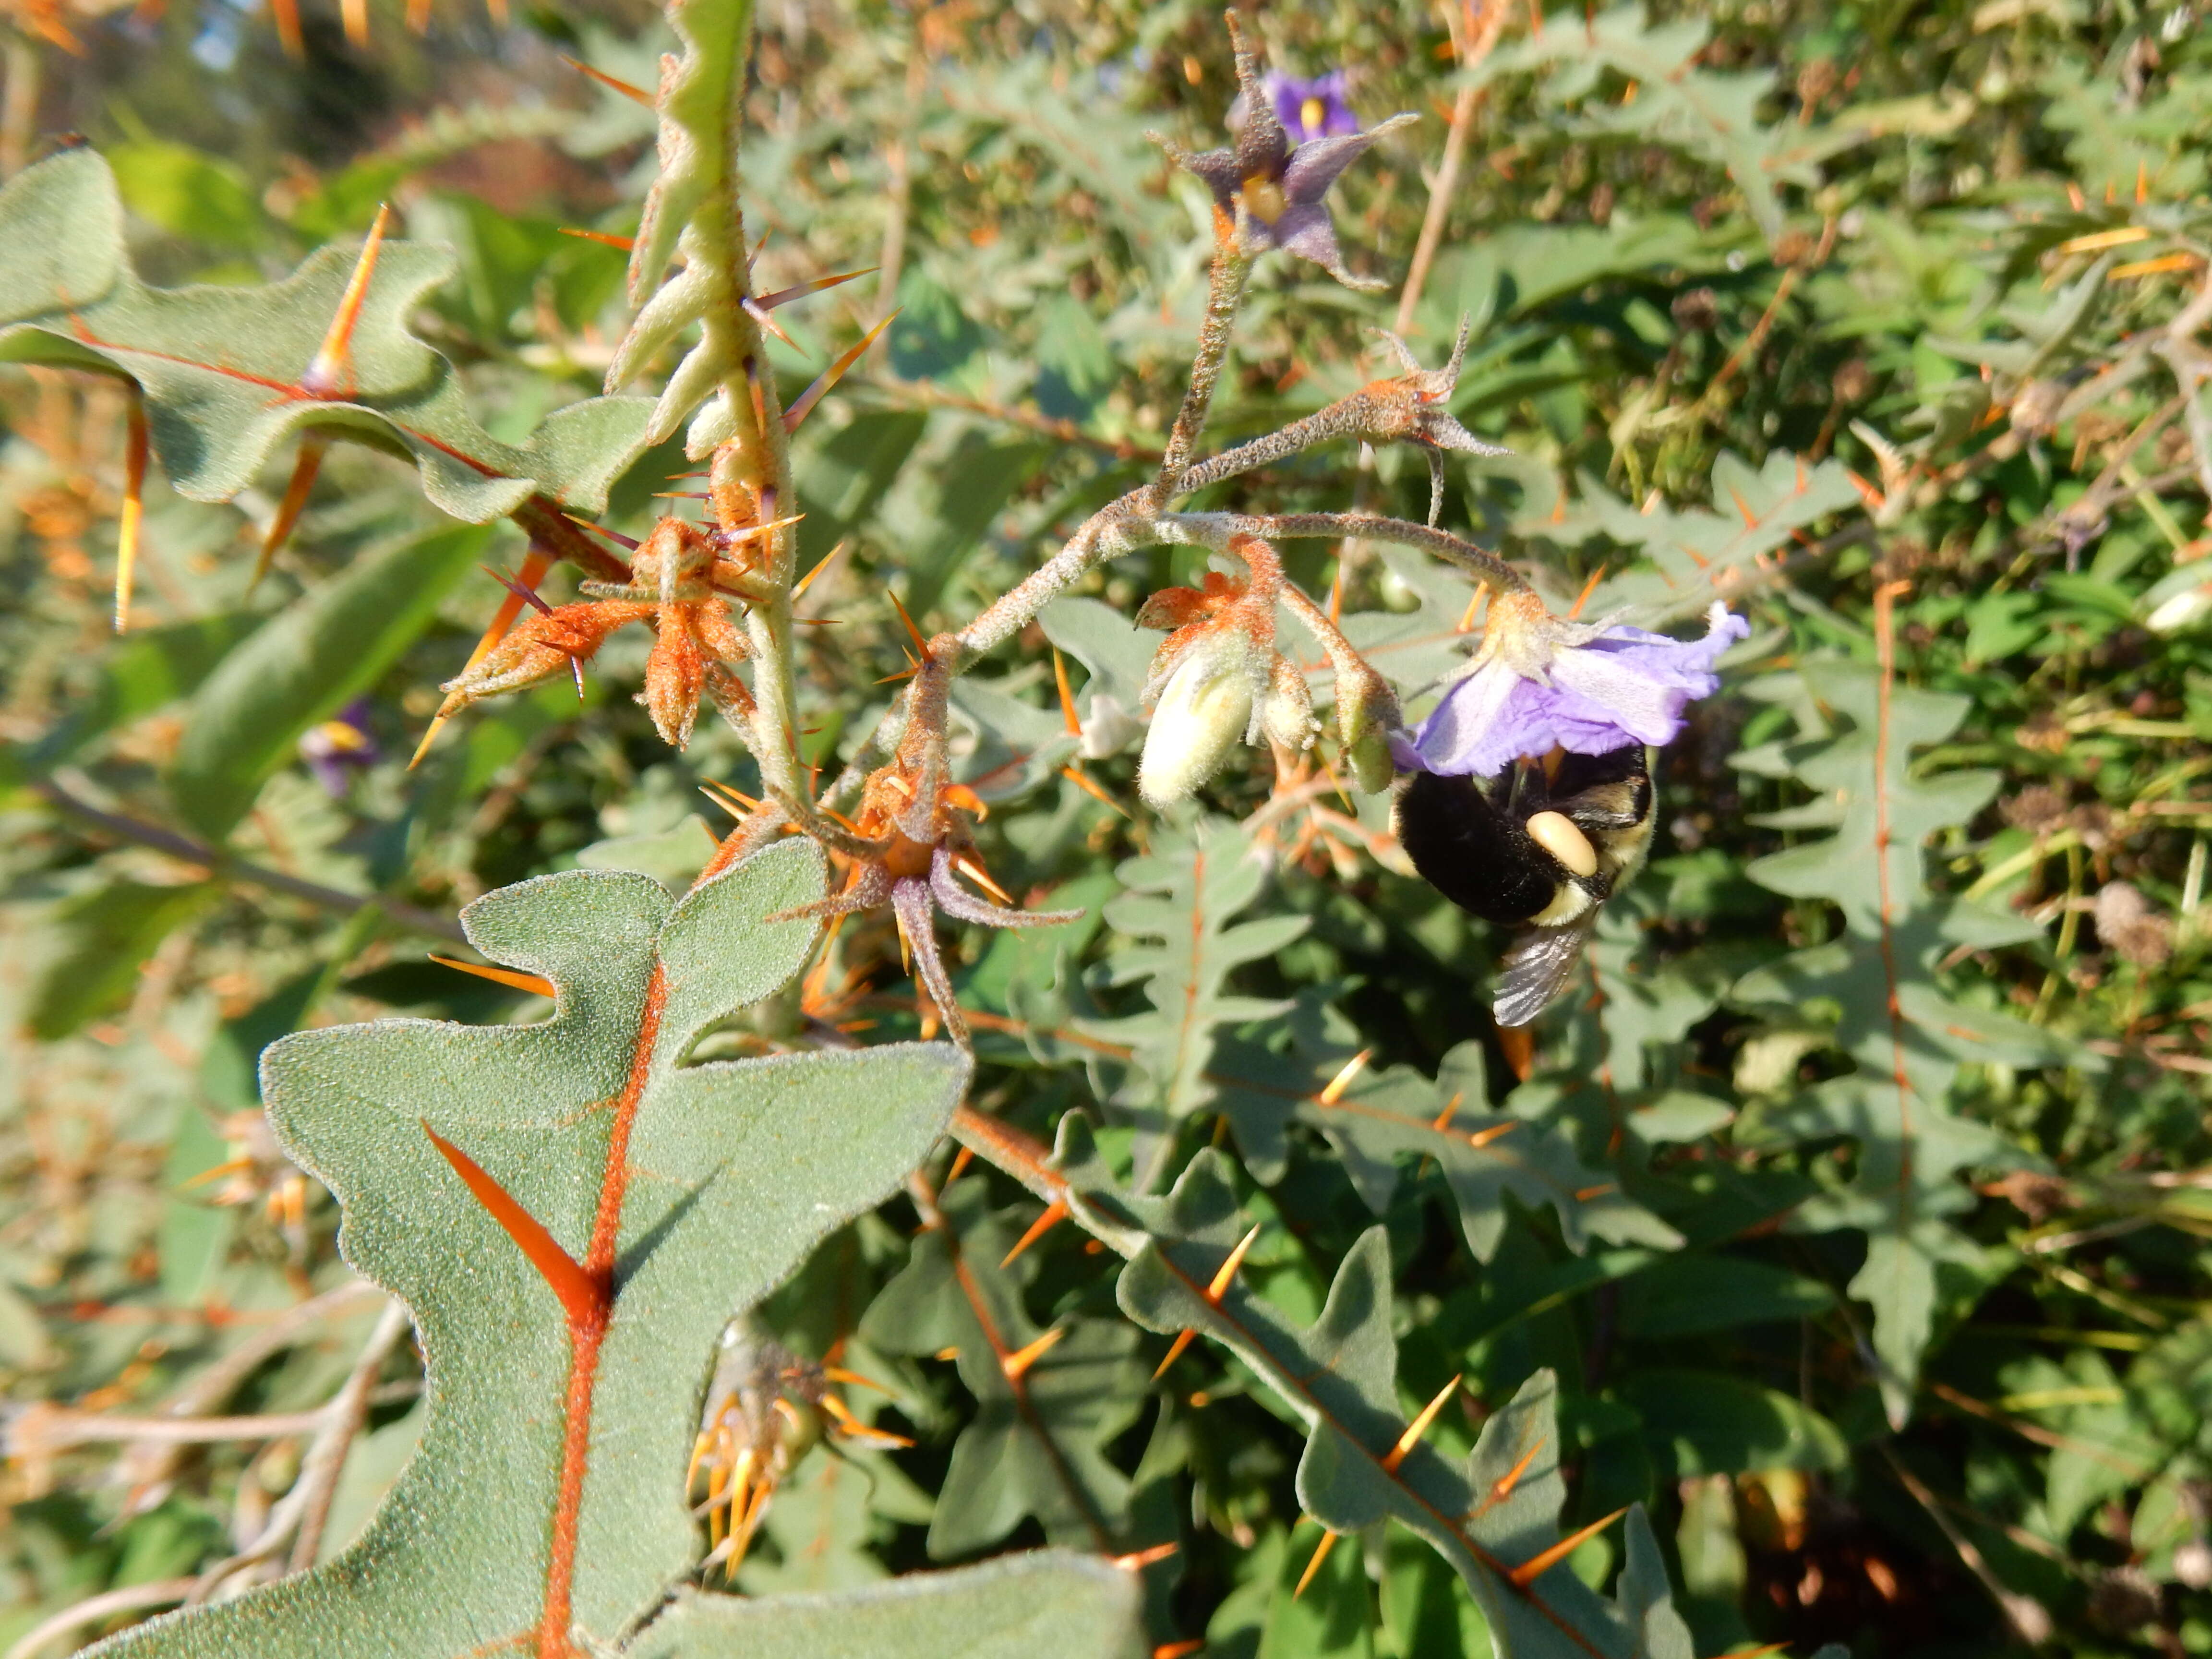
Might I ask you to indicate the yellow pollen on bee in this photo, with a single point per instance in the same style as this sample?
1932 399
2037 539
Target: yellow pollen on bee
1556 833
1264 200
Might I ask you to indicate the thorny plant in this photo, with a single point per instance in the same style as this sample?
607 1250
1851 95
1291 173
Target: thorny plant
1535 690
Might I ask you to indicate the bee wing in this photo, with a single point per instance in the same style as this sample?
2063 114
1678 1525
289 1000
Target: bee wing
1537 967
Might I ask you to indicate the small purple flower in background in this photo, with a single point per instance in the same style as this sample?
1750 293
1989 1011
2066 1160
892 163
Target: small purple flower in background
1311 109
340 747
1539 683
1270 195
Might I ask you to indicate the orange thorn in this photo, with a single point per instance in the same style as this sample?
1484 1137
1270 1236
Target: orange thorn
1535 1568
921 644
2143 183
1420 1426
2074 196
1090 788
1473 605
1759 1652
287 13
960 1160
582 1297
1219 1287
1017 1364
536 984
976 873
1443 1118
44 22
754 309
739 804
1321 1555
784 296
331 374
1867 493
1178 1650
1137 1560
134 509
807 580
625 243
1588 588
960 795
1336 593
354 14
829 377
853 1379
1481 1138
635 94
1750 518
1055 1213
535 564
1066 696
1502 1488
236 1166
1334 1090
1583 1195
1174 1353
288 510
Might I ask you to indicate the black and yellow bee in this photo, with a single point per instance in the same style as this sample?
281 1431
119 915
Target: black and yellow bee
1540 847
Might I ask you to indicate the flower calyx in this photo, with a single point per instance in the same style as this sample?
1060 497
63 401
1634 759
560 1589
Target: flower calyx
910 840
1218 680
684 579
1269 193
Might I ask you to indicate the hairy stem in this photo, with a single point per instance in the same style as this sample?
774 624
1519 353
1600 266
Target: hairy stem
1224 294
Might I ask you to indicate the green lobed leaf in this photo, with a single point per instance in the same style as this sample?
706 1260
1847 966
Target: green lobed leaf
1036 1445
1180 899
220 368
1905 1037
1018 1606
732 1170
1339 1377
1383 1122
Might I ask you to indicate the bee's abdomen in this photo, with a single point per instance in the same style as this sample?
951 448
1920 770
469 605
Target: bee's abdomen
1476 856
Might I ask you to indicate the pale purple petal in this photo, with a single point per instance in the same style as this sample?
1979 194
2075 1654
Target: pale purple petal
1312 108
1626 686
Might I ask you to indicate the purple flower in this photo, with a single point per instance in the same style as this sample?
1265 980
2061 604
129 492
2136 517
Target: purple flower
1312 108
339 747
1539 683
1272 194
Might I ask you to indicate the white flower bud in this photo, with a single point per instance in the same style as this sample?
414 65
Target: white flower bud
1204 711
1107 729
2183 610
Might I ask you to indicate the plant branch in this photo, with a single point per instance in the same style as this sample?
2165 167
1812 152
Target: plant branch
221 864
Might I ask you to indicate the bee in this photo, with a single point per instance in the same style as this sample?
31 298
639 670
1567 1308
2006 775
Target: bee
1540 847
